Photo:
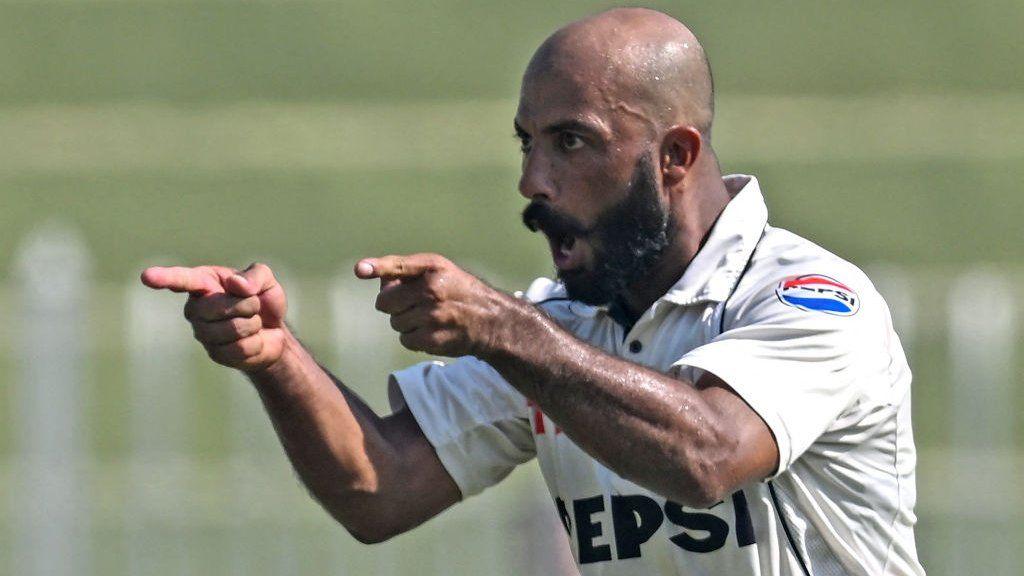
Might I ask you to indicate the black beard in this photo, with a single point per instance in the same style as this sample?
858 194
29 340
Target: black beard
628 239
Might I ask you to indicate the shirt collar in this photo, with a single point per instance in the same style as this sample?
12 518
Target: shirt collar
717 266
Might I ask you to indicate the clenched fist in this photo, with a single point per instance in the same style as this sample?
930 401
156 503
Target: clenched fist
238 316
439 308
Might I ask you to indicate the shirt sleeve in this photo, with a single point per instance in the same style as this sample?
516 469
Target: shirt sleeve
475 420
798 369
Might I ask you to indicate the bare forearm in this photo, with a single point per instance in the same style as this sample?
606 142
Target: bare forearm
690 443
653 429
334 441
377 476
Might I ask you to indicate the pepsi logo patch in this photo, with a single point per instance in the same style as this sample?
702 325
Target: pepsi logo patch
818 293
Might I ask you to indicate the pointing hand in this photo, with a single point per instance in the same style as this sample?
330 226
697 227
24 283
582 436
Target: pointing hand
238 316
437 307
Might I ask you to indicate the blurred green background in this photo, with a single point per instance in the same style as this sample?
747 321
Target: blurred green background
309 134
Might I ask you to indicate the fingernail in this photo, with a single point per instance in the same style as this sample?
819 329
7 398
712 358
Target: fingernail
364 268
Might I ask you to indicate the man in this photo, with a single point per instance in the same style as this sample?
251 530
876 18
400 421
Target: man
706 394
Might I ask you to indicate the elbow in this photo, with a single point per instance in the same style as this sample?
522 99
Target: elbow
703 476
369 528
703 491
697 482
366 517
370 534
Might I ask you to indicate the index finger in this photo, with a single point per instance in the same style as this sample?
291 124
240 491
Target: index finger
199 280
396 267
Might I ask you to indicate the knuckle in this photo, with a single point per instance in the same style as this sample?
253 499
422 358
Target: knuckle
428 341
206 308
437 342
255 345
235 352
206 334
190 309
410 341
217 354
253 325
245 307
241 347
432 288
238 327
232 352
438 316
262 268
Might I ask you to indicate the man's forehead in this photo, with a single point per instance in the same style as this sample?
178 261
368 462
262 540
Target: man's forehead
554 98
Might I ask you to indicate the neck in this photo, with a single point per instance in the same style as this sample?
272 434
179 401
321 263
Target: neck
696 205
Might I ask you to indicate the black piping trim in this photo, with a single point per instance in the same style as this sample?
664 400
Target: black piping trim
746 268
617 312
785 528
552 299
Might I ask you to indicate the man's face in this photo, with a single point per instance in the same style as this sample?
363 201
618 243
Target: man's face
592 188
626 240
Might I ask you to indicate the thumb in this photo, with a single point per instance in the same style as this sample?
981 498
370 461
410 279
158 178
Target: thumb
253 281
239 285
258 280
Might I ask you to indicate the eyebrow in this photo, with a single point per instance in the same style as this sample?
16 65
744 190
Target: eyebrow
563 126
572 126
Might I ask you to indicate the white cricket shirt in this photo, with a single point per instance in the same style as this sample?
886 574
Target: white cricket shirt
800 334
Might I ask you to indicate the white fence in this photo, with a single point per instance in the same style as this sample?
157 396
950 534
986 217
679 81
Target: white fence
168 500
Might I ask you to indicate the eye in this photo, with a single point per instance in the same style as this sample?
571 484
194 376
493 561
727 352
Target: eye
568 141
524 142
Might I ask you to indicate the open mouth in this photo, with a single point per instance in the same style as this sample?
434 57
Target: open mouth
566 251
565 235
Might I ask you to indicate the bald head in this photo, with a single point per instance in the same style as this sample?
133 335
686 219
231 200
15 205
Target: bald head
634 60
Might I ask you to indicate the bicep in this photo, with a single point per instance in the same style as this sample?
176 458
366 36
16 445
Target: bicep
753 453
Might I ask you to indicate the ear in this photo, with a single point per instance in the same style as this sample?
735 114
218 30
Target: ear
679 151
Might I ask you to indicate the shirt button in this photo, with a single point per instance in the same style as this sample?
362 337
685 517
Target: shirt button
635 346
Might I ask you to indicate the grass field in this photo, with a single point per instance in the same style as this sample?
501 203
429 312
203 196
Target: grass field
311 133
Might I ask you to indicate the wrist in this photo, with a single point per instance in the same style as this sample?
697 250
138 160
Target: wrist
279 369
518 324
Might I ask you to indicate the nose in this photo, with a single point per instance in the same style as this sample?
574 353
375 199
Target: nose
535 181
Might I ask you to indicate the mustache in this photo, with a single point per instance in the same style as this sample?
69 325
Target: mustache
540 216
